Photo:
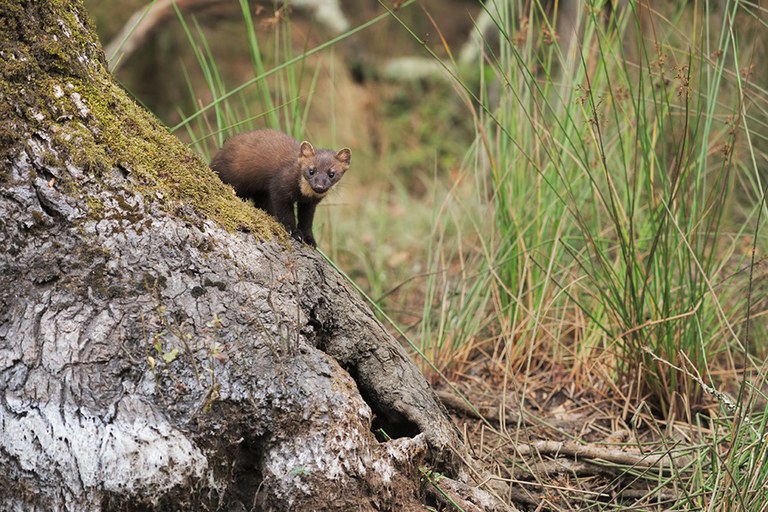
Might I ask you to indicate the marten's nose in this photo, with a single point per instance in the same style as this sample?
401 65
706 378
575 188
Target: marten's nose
321 186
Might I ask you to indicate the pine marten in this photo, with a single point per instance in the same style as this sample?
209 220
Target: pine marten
277 172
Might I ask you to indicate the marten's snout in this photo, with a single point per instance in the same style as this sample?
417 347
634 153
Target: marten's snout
321 187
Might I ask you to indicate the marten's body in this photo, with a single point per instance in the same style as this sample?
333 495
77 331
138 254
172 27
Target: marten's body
277 173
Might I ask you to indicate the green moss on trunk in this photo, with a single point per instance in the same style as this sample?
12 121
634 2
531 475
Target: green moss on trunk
54 85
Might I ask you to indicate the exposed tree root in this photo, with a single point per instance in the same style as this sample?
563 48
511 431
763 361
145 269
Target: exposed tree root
459 496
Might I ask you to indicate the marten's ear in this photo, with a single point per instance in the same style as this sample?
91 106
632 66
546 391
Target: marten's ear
344 156
307 151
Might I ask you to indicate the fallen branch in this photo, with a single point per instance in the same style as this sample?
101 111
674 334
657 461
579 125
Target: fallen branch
576 450
148 20
145 22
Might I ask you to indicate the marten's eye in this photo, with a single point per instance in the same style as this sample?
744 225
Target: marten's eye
331 174
312 171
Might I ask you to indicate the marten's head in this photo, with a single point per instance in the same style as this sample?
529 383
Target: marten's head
321 169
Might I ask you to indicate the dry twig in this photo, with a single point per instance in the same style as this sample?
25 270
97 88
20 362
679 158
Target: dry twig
576 450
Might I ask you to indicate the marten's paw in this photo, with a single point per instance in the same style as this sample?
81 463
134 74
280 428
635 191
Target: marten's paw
307 239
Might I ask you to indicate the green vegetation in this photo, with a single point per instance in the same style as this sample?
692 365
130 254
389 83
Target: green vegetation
627 198
580 210
610 181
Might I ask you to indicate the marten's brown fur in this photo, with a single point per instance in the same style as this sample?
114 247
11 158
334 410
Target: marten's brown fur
277 172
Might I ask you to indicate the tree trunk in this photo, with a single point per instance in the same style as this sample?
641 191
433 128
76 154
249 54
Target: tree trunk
160 347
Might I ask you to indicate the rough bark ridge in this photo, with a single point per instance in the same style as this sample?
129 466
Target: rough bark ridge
149 358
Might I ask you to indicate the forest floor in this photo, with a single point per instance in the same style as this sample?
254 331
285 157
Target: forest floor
563 449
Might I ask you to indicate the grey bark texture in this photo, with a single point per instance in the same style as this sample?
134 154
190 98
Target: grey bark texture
151 359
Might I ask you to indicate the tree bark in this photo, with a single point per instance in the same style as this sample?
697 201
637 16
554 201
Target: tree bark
162 347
